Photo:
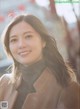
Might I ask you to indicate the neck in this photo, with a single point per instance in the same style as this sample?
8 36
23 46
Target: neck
32 72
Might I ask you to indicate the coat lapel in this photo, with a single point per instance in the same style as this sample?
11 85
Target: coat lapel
44 90
41 98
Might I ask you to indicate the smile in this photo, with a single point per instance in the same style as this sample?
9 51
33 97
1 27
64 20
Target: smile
25 53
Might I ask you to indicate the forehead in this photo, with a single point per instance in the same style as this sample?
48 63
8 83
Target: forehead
21 27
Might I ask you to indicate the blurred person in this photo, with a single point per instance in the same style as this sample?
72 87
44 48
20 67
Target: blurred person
39 79
73 48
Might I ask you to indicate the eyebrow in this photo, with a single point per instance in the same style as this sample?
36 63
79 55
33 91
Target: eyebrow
23 34
27 32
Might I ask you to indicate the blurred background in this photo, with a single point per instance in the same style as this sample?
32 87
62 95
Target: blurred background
62 19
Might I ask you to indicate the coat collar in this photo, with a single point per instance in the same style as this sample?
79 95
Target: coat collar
41 85
40 82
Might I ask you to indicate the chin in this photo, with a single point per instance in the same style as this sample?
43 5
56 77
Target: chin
25 63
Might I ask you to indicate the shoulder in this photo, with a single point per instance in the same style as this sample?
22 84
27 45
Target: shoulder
4 83
72 92
5 78
70 97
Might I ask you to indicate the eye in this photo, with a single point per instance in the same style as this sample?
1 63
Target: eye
13 40
28 36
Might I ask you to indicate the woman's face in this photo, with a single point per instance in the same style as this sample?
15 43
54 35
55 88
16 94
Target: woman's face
25 44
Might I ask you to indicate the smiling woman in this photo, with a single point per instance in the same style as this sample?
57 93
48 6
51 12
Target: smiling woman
40 79
25 44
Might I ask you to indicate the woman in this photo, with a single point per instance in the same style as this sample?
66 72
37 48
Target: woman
40 79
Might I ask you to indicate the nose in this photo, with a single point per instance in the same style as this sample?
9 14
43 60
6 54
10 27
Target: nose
21 43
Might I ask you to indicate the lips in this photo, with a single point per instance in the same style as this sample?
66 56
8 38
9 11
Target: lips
24 53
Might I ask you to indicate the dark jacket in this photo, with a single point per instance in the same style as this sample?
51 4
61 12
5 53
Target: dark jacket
49 94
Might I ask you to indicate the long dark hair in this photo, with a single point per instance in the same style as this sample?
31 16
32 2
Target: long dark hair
51 55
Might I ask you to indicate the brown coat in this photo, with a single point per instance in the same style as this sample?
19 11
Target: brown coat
49 94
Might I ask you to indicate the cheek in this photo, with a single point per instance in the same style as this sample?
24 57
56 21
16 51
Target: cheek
12 48
39 48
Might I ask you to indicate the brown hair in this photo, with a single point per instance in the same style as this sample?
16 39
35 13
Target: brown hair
51 55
